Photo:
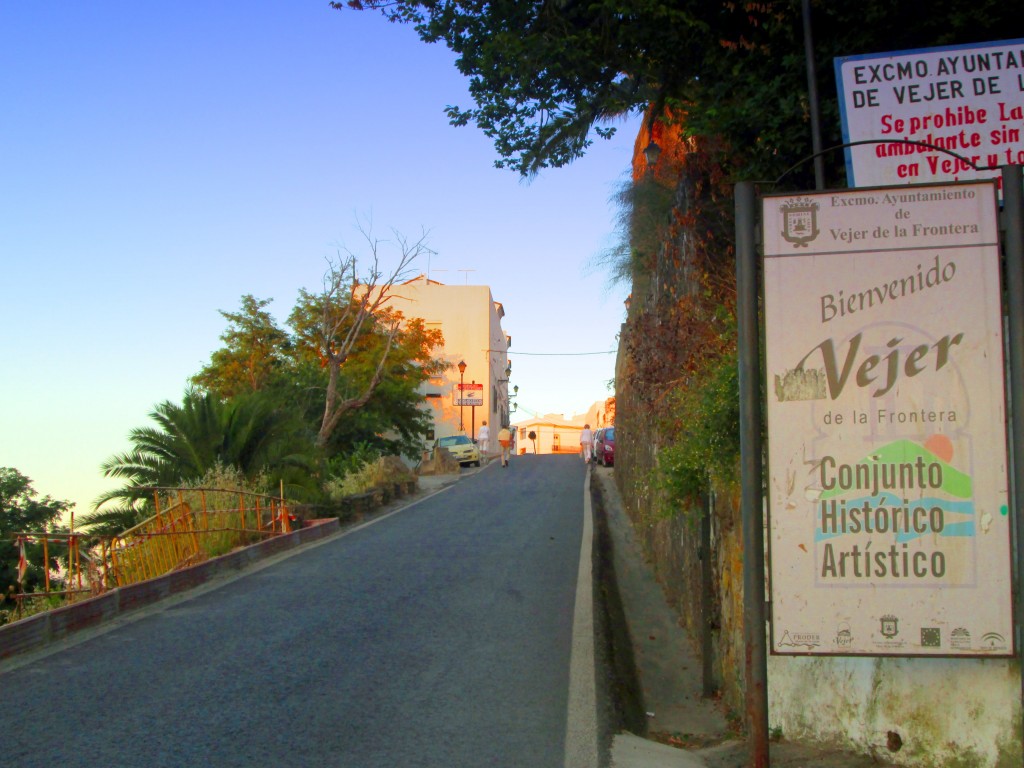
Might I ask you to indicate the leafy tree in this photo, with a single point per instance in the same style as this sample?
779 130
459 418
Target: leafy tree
347 372
348 328
254 351
189 440
392 420
22 511
546 76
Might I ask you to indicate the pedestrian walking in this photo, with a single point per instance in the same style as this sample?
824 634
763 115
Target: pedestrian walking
505 441
586 443
484 438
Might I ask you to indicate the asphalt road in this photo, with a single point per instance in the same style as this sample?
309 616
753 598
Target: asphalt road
437 636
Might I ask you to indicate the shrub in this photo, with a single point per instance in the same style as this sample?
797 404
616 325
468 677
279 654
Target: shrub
379 473
218 510
705 443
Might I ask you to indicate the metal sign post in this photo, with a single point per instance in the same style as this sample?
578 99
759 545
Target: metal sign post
1013 242
751 498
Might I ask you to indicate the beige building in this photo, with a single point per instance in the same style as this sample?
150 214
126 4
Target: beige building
554 433
470 320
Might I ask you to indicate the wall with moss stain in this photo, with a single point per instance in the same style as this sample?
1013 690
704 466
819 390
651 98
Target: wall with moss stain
939 712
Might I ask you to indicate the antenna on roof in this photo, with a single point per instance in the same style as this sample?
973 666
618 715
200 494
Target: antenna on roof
467 271
429 254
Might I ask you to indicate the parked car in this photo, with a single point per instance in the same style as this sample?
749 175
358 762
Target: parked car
461 447
604 446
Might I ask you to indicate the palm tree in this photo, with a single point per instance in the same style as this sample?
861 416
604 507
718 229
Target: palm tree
189 440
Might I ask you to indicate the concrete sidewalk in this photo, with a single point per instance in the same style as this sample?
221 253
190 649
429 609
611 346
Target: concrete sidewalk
670 676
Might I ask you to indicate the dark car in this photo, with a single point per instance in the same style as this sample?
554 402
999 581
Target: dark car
604 446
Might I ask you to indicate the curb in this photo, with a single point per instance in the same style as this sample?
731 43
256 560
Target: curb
50 626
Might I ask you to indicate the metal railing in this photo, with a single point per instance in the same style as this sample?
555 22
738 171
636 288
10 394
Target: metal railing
190 525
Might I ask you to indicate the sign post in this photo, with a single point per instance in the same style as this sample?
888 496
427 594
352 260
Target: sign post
751 494
471 395
888 487
1013 210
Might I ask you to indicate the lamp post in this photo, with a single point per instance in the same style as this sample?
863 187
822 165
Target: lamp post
462 393
651 154
472 416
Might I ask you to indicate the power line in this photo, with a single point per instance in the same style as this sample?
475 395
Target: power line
561 354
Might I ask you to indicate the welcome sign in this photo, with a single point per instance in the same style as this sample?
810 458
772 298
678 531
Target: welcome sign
889 527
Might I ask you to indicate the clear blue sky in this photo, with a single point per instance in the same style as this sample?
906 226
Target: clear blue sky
158 161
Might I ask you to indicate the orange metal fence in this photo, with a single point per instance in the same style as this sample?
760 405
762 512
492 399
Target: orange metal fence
198 524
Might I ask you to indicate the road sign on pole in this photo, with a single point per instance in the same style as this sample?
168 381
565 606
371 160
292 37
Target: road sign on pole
469 394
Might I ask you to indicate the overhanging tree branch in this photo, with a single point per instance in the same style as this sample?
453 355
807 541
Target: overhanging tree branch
352 309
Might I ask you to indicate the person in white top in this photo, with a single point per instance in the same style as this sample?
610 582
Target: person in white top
483 438
586 443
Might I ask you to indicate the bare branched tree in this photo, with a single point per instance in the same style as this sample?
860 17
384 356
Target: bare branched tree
350 307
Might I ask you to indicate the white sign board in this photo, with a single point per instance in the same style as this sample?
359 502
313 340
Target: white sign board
469 394
966 99
889 527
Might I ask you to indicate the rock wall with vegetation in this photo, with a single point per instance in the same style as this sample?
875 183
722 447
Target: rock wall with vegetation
675 390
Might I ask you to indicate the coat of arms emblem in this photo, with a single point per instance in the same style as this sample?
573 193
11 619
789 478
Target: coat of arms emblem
799 221
890 626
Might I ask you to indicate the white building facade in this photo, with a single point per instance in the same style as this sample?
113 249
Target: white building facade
470 321
553 433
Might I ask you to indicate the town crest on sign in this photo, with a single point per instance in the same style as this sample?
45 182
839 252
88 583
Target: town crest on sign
890 626
799 221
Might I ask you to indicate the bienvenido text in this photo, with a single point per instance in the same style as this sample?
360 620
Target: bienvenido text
843 303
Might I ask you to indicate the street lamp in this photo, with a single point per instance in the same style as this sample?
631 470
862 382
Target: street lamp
651 154
508 395
462 392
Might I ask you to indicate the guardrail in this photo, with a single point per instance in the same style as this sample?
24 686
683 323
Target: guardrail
180 534
35 631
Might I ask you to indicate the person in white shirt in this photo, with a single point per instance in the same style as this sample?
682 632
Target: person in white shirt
483 438
586 443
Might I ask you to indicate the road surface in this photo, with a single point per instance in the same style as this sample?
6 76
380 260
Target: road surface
440 635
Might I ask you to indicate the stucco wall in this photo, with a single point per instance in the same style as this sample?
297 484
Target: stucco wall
470 320
938 712
566 437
